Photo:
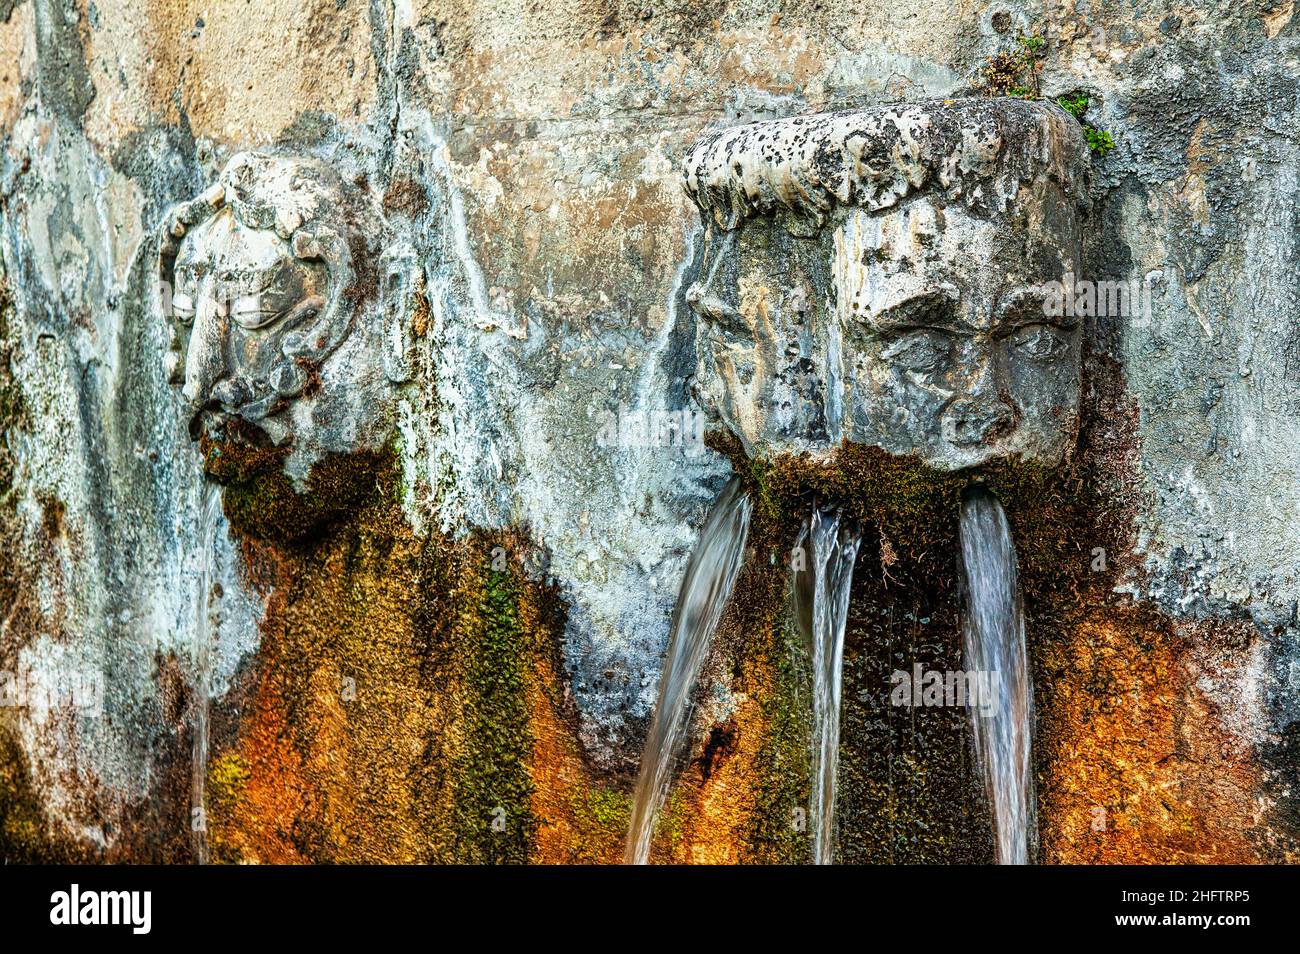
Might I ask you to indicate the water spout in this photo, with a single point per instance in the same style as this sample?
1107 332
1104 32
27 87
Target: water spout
994 632
706 587
204 628
834 551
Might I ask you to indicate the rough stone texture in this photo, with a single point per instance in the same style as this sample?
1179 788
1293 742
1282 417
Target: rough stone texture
895 278
531 155
289 308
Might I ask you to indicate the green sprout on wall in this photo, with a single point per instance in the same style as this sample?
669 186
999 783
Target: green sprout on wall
1076 104
1099 141
1018 73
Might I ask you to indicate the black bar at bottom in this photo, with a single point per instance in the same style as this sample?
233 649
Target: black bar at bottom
232 906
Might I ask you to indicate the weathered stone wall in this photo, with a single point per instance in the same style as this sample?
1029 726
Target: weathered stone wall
531 154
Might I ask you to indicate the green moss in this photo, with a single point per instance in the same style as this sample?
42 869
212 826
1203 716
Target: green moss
260 501
494 818
607 809
778 830
601 816
670 826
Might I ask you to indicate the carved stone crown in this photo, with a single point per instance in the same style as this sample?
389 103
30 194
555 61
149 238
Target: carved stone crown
977 151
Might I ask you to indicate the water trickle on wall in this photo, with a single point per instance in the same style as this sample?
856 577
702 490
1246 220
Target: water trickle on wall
835 543
994 630
706 587
205 629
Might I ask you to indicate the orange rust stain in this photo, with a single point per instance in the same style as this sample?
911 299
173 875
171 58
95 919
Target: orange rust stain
725 800
259 823
712 804
333 749
355 734
567 834
1141 767
575 826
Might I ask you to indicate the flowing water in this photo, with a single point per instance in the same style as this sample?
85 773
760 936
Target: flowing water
834 550
706 587
204 630
994 631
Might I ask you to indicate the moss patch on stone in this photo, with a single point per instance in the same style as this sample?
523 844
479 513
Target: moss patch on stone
405 705
777 831
494 821
259 499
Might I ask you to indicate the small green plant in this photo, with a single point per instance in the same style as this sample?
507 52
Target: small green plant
1099 141
1076 104
1018 72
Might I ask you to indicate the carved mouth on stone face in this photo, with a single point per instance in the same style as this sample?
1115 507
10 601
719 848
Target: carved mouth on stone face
234 399
207 419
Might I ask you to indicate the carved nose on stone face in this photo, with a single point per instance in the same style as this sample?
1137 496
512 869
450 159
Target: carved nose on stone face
971 422
205 361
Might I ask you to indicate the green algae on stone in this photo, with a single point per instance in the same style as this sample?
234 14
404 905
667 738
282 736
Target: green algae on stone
601 814
608 810
493 790
260 500
779 830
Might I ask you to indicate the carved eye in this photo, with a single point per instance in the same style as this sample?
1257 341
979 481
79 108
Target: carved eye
1039 343
261 299
254 311
182 308
921 352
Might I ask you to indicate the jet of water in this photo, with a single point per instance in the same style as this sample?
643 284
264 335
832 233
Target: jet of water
834 551
706 587
204 628
994 632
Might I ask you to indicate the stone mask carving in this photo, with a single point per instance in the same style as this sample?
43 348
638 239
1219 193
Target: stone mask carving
273 284
886 276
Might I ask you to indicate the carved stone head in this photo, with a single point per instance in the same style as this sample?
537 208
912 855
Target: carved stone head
273 285
885 276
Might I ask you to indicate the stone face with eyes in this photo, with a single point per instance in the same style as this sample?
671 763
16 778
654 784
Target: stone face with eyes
239 291
878 276
288 300
923 330
953 350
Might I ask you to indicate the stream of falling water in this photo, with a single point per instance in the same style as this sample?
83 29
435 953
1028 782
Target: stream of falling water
706 587
204 629
994 631
834 551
